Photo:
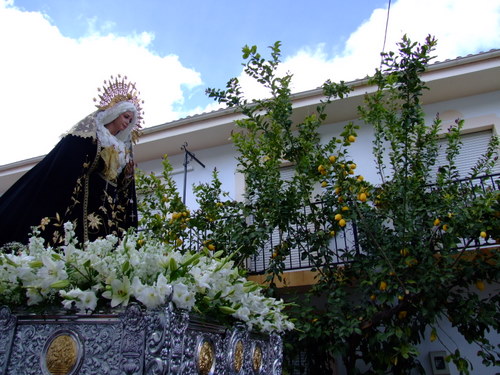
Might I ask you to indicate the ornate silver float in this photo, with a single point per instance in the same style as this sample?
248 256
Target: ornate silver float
132 341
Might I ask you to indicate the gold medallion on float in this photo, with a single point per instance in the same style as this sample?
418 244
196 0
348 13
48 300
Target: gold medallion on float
257 359
206 357
62 354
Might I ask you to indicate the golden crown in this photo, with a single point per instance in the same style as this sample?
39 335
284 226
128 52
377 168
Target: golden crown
116 90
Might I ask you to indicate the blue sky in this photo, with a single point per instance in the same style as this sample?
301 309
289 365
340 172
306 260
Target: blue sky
55 53
208 35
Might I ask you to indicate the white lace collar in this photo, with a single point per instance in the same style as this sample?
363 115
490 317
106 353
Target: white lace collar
109 140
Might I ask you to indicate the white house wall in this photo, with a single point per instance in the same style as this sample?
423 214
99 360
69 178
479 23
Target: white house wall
480 112
220 157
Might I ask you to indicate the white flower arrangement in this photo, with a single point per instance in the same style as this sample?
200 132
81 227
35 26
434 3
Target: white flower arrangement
112 272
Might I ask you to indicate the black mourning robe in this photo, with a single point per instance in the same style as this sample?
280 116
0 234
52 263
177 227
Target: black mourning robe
68 185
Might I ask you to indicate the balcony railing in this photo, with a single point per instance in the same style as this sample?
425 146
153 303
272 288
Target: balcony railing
347 240
344 242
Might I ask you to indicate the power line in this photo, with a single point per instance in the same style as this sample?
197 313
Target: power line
386 25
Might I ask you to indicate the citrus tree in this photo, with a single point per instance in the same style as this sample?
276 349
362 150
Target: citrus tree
419 260
265 139
219 224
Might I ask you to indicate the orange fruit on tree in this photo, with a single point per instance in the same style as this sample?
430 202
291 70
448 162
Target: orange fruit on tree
480 285
434 335
382 286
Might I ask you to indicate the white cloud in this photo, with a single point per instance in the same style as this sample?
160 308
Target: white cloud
49 80
462 27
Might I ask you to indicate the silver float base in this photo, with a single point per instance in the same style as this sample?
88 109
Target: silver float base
134 341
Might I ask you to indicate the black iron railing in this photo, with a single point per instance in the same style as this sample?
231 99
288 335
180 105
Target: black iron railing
344 242
298 257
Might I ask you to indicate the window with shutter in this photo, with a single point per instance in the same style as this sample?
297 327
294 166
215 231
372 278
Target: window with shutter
474 145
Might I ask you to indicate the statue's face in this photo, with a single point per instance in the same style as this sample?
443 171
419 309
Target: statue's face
120 123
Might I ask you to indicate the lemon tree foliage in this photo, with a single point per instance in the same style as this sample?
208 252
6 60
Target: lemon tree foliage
218 225
266 138
409 273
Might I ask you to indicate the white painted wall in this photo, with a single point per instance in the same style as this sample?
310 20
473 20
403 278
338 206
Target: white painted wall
222 157
480 112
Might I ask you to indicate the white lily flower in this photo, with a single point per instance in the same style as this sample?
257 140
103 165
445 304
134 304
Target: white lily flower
51 271
163 287
119 293
243 313
34 296
84 301
150 297
182 297
109 264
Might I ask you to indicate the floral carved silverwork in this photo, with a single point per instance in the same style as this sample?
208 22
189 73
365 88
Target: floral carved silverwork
161 341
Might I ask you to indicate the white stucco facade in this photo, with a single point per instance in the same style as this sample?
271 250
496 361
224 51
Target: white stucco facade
480 112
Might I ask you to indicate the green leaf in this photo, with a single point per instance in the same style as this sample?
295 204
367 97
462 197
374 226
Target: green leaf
173 265
61 284
227 310
125 267
36 264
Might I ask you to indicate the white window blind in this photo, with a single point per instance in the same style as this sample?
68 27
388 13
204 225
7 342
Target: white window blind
473 146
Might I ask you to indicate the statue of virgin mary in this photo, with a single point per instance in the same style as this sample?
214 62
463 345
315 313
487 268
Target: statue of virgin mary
87 179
